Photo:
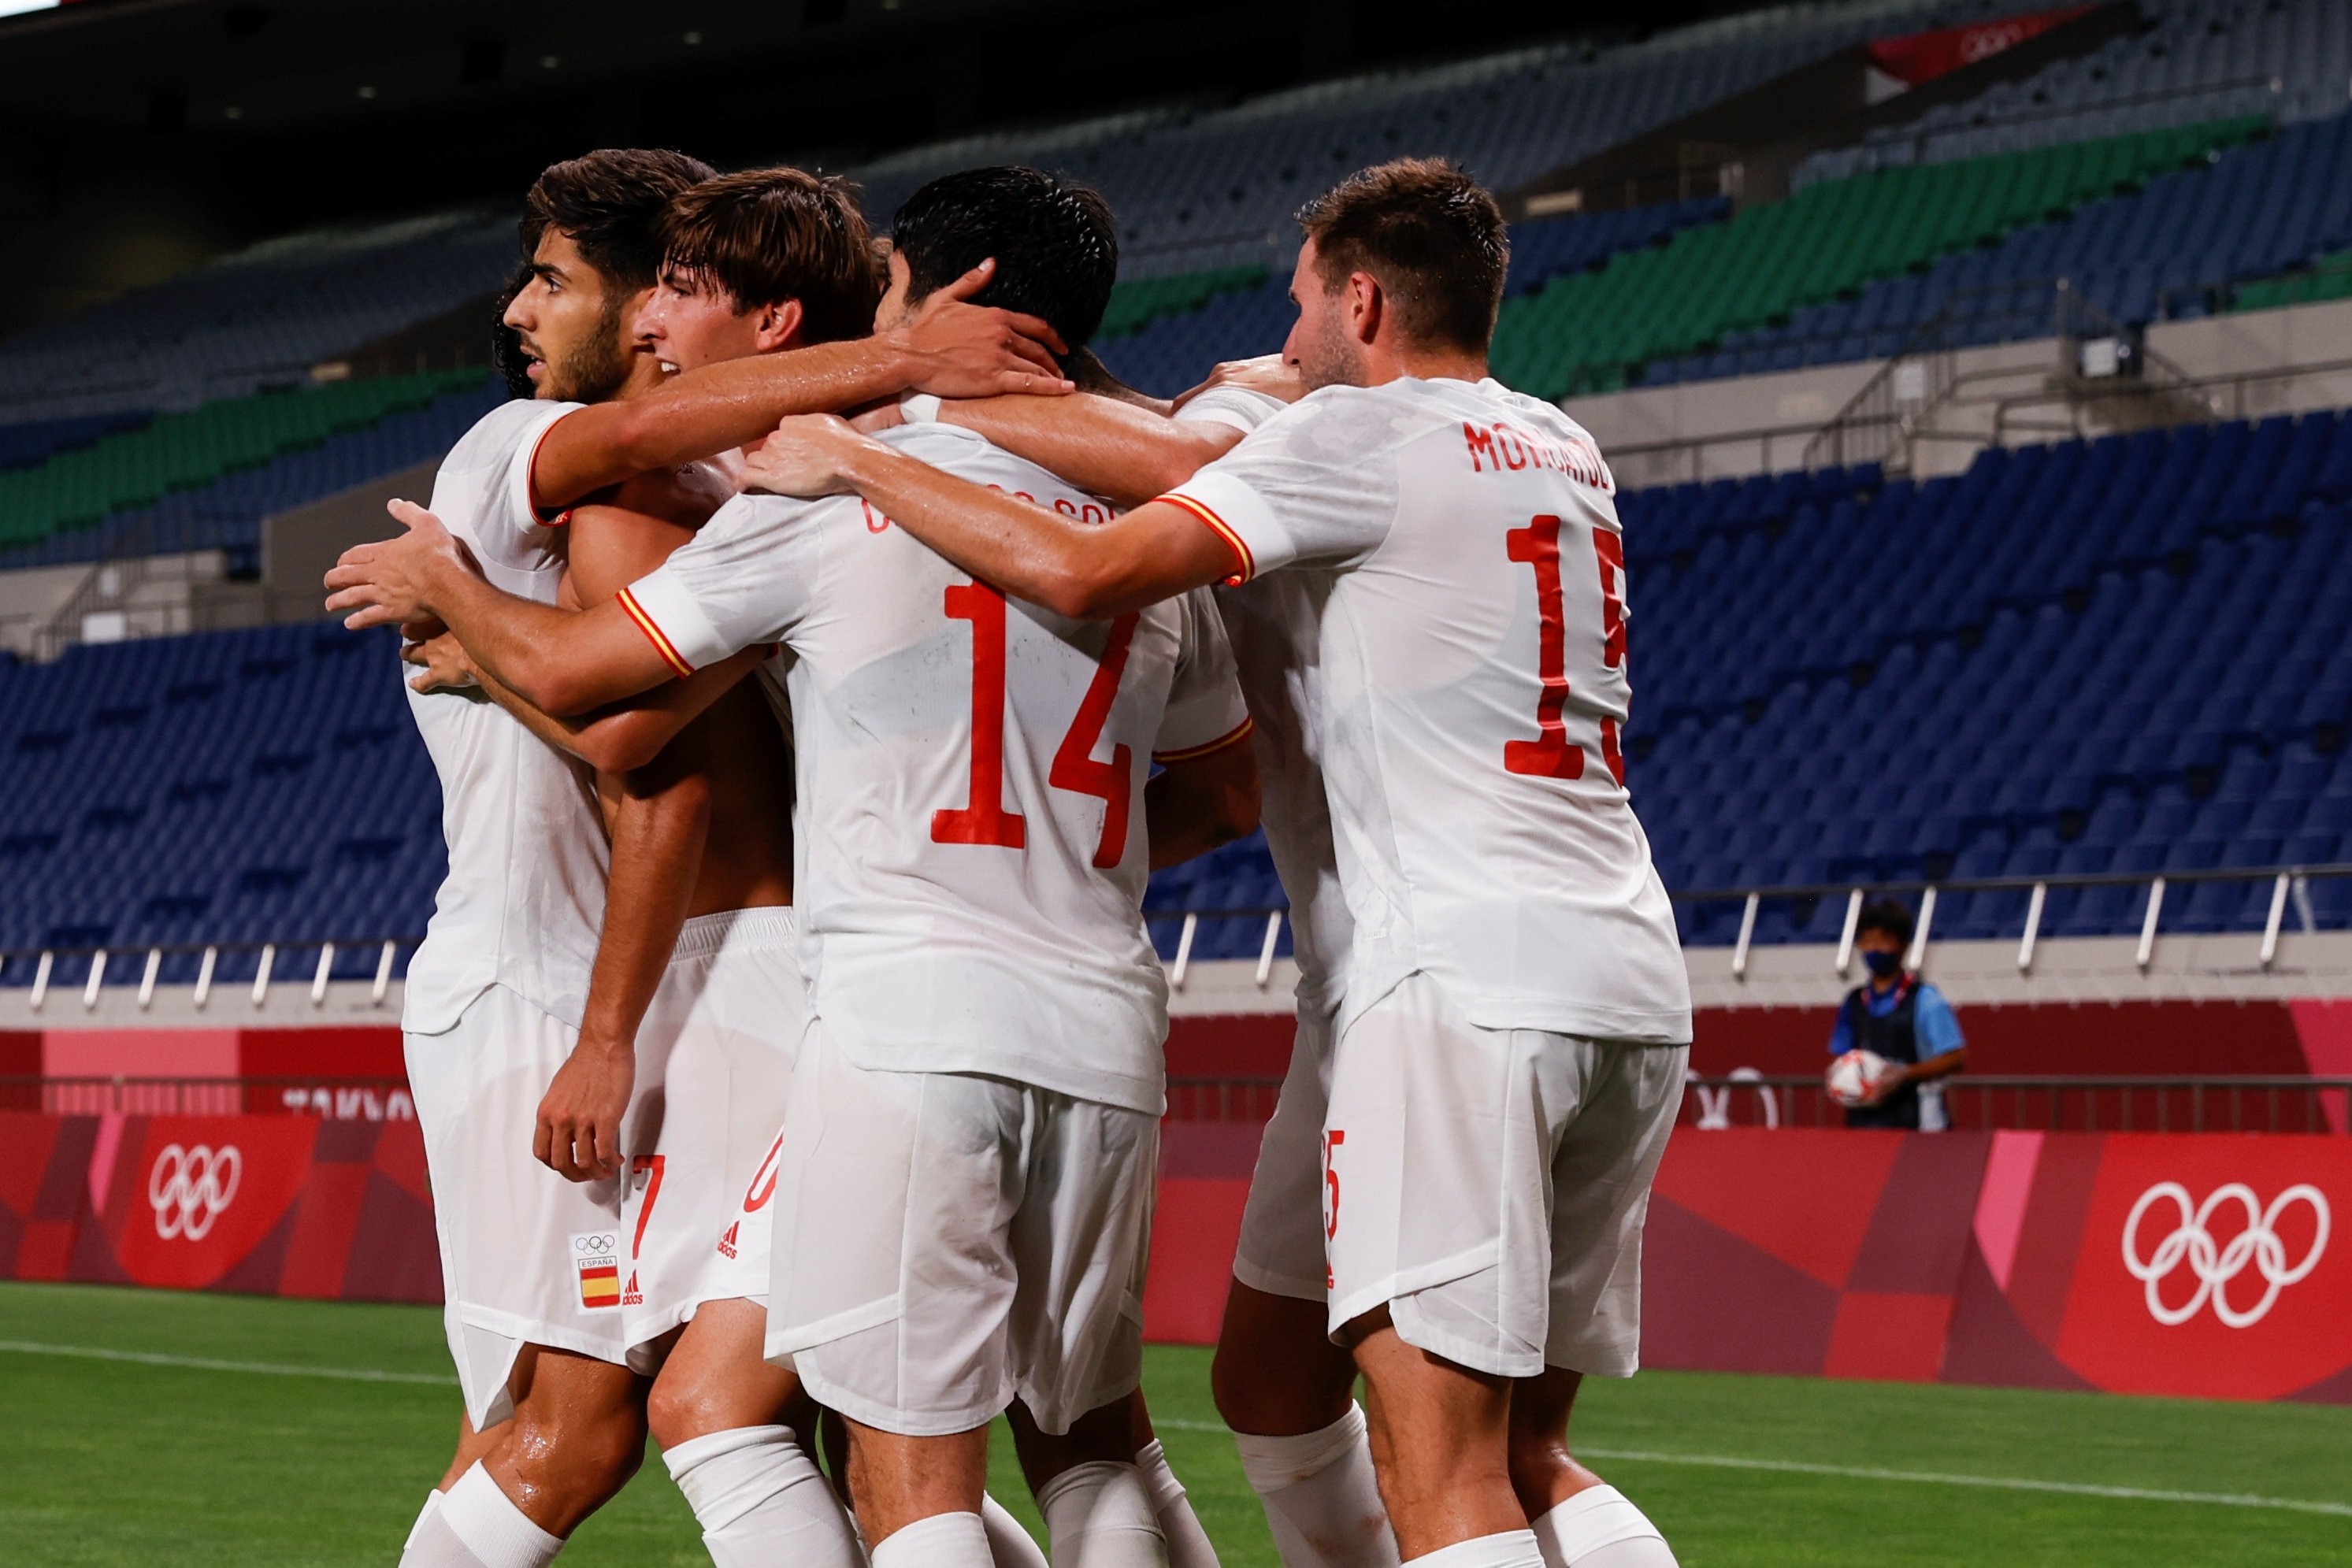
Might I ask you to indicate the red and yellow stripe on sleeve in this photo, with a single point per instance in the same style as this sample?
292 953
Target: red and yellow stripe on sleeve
653 634
1232 736
1247 562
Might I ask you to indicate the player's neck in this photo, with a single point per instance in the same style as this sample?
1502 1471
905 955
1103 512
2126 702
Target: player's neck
1384 363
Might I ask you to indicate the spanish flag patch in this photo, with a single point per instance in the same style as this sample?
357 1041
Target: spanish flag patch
596 1256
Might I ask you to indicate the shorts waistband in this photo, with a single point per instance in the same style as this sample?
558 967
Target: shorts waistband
771 926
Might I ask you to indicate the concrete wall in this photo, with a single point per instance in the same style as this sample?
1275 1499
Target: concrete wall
1760 424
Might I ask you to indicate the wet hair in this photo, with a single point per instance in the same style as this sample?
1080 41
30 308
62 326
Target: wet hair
611 202
1055 247
1890 915
507 358
1431 235
767 235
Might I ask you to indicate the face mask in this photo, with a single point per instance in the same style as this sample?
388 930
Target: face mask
1883 965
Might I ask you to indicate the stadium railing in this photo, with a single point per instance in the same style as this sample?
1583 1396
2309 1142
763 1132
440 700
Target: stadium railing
375 960
2073 1103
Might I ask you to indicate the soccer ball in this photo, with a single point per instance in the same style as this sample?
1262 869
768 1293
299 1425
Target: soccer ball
1852 1074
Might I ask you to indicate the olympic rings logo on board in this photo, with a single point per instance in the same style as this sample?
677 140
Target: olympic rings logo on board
2190 1244
189 1188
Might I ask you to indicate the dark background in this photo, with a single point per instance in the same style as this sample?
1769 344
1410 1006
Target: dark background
139 137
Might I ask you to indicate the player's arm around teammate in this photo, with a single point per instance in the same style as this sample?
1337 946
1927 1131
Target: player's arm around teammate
950 348
1320 489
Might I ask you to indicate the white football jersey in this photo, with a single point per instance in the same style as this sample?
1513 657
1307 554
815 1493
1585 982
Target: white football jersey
971 847
1470 685
1272 624
524 897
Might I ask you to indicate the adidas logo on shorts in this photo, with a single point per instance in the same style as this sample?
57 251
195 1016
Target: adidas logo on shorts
726 1242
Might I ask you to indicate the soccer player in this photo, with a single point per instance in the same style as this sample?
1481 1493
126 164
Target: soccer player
695 1009
976 1106
1515 1016
495 998
1280 1383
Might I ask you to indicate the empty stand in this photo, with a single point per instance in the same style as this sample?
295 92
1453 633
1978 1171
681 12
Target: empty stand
1196 189
2169 249
2195 59
261 317
229 787
1172 331
1587 332
176 454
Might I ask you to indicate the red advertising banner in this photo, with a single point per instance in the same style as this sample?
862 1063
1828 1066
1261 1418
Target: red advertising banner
2205 1267
289 1206
2199 1265
1918 57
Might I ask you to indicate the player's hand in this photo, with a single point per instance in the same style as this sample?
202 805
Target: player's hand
805 457
446 665
956 349
389 583
579 1133
1267 374
882 416
1884 1084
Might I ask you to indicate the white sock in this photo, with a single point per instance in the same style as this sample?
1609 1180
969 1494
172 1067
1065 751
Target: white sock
1511 1549
488 1525
1010 1544
1098 1515
1188 1543
432 1506
1321 1500
760 1500
1601 1527
432 1545
941 1540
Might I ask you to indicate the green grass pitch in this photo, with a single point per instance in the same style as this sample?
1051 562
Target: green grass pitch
128 1461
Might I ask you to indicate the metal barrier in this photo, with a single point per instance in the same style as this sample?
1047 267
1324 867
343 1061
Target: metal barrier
337 1099
2289 891
2290 888
38 966
1987 1102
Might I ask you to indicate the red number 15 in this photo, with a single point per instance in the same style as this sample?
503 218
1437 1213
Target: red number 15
1550 755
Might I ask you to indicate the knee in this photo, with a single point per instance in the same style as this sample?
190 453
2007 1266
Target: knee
592 1455
1276 1372
678 1412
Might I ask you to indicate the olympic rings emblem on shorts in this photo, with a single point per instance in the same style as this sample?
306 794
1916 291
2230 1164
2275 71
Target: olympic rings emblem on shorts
2191 1242
188 1189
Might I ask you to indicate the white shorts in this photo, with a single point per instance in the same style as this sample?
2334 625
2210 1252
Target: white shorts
527 1257
945 1241
1283 1231
714 1071
1489 1185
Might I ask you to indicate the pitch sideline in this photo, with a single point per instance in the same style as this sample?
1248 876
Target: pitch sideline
1635 1455
1933 1478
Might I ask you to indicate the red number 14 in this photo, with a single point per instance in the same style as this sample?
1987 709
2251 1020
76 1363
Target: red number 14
983 820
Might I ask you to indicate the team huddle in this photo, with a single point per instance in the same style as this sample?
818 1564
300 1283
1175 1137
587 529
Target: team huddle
817 664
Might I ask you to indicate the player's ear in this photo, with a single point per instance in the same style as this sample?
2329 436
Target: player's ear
1365 305
777 324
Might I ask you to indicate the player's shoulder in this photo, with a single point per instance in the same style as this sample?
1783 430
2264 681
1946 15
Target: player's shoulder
1337 426
495 435
1235 408
968 455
